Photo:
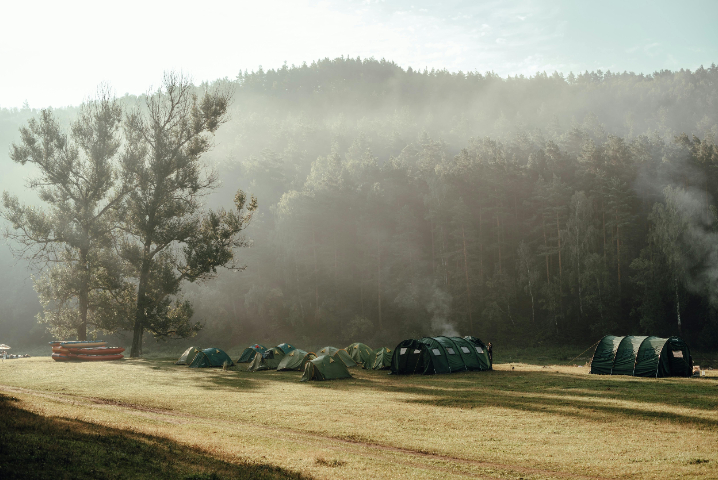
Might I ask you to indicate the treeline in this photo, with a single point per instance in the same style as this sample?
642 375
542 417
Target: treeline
524 242
397 203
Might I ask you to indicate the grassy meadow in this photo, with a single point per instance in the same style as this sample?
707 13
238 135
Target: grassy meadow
151 419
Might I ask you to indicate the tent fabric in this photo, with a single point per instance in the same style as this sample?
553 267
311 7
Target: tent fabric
187 357
325 367
338 353
211 357
642 357
249 352
344 357
327 351
382 359
483 352
626 355
286 348
605 354
433 355
295 360
361 354
268 360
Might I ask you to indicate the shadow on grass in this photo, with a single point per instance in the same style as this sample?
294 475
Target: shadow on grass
593 398
37 447
589 397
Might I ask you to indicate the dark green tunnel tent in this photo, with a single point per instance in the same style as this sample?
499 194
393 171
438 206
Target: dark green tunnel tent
626 355
325 367
211 357
605 354
295 360
431 355
249 353
642 357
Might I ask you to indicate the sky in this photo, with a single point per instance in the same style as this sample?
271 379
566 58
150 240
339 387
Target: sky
57 53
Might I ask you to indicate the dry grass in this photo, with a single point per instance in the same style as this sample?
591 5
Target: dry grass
519 421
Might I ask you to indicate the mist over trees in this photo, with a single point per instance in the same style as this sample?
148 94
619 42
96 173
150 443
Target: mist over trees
397 203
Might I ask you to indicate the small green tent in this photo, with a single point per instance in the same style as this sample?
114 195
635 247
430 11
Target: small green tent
361 354
642 357
211 357
268 360
295 360
325 367
327 351
187 357
286 348
340 354
382 359
249 353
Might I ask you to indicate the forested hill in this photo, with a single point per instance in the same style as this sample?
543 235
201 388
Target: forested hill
398 203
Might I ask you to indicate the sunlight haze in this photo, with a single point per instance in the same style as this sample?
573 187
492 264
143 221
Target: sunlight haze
54 54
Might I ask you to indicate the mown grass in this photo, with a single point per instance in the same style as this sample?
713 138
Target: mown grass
33 446
519 421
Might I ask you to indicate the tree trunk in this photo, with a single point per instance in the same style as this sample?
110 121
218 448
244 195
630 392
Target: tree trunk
545 244
481 254
316 278
83 296
139 326
433 256
558 233
498 239
618 254
678 307
378 279
468 290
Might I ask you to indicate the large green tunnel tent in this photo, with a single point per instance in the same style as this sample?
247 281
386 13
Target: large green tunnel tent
431 355
642 357
211 357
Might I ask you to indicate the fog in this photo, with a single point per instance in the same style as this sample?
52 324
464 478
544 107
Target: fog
394 203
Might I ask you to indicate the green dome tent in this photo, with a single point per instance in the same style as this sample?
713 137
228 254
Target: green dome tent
211 357
325 367
295 360
286 348
187 357
642 357
339 354
249 353
382 359
361 354
268 360
431 355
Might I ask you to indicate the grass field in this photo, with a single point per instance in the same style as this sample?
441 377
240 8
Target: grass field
151 419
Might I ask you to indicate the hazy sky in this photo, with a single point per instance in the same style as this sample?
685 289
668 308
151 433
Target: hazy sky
56 53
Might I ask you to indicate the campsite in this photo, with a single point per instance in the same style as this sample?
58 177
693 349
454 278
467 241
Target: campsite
532 417
359 239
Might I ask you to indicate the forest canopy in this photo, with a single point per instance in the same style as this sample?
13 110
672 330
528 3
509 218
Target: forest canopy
397 203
